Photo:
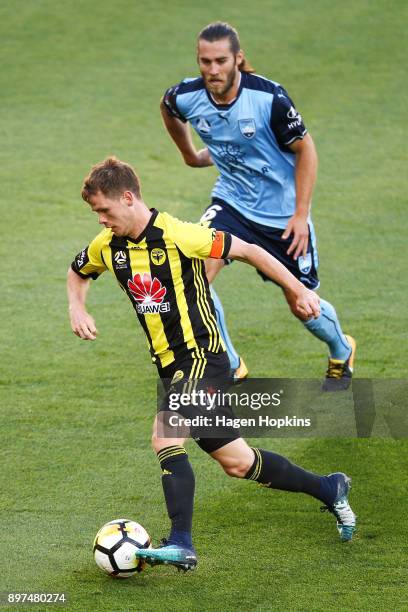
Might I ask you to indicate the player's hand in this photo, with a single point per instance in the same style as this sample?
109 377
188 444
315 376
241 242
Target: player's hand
298 226
308 303
82 324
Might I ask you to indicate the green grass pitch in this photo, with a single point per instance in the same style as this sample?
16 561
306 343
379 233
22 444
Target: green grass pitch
80 80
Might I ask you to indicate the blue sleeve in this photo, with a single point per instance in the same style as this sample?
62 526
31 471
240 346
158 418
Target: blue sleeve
286 123
170 103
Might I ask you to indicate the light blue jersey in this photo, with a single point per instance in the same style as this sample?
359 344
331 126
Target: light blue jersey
248 142
255 196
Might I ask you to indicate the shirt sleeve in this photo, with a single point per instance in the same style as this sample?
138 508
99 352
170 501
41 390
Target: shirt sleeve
199 242
89 262
170 103
286 122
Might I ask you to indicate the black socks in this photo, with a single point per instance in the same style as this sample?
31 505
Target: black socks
277 472
178 485
269 469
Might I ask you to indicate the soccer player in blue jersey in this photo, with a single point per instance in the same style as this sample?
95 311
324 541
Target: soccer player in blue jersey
267 163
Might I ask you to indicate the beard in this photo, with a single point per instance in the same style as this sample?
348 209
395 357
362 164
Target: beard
220 89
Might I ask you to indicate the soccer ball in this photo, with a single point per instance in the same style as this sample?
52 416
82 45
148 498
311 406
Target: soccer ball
115 547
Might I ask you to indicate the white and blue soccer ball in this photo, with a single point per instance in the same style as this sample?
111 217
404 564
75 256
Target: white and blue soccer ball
115 547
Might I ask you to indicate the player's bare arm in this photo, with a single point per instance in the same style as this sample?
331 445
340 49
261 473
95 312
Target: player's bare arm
181 134
305 179
82 323
307 301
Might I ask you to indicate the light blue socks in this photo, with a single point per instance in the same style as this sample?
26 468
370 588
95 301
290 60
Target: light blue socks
222 326
327 328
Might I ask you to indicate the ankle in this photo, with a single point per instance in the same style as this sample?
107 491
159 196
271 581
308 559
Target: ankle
178 537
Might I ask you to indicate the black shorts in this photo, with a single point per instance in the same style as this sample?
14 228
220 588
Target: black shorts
209 374
224 217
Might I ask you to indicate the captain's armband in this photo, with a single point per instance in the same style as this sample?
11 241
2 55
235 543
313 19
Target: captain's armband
221 245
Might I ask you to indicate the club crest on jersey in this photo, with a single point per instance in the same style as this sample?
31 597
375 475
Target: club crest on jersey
247 127
203 126
158 256
149 294
305 263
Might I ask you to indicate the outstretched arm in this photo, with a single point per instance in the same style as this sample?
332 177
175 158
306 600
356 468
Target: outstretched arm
307 301
82 324
181 134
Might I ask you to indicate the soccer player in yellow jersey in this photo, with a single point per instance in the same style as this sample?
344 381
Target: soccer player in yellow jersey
159 263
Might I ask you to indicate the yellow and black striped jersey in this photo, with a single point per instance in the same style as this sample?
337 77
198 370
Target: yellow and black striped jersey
163 274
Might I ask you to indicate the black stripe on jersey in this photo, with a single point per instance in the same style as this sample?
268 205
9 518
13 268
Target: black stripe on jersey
123 273
84 276
205 301
211 309
170 96
194 85
203 331
284 134
80 262
170 104
253 81
199 329
171 320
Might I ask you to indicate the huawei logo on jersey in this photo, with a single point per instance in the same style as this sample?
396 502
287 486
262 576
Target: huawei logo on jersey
149 294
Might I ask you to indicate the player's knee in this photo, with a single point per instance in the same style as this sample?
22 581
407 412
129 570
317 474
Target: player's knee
155 441
236 467
159 443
